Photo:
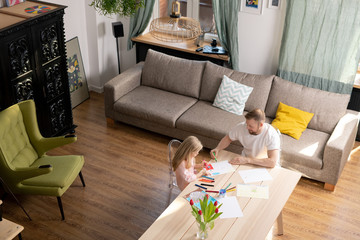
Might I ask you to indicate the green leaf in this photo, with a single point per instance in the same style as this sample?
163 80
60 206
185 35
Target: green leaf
119 7
216 216
198 218
202 205
210 211
211 224
202 226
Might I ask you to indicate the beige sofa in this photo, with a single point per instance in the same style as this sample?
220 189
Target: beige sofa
174 97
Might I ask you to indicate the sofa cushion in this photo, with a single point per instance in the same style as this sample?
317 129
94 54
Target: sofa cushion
308 151
261 85
232 96
291 121
207 120
154 105
327 107
211 80
172 74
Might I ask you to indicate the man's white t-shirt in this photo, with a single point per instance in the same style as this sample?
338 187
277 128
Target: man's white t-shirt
256 145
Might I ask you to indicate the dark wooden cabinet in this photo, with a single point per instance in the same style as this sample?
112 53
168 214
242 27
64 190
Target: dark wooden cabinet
33 65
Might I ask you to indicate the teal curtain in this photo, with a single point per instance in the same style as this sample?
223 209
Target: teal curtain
226 21
139 21
321 44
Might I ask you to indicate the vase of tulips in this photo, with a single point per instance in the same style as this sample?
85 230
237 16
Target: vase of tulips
205 215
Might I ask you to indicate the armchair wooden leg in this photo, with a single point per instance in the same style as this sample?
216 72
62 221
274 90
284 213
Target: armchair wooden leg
61 208
82 179
329 187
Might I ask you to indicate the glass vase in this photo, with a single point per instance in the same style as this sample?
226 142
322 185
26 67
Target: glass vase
203 230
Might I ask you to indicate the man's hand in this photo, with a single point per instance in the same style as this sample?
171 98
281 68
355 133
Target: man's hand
214 153
239 160
224 143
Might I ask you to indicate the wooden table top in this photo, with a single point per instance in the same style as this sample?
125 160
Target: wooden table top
177 222
188 46
8 229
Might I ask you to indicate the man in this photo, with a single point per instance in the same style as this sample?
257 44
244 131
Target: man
254 135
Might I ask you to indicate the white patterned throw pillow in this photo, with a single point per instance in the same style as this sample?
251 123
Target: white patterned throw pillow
232 96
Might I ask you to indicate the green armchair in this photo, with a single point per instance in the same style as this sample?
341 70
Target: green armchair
24 165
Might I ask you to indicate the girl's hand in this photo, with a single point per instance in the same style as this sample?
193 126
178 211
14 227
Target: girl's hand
204 163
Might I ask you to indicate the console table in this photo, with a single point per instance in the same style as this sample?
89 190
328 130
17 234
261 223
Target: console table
185 49
33 64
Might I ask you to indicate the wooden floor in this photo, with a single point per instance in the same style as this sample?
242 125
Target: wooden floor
126 175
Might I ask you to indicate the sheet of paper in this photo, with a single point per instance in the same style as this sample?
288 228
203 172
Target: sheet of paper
255 175
230 207
252 191
221 168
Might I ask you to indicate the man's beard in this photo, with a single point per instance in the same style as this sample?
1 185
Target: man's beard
253 133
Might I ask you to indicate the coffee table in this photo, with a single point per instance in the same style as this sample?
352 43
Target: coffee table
176 222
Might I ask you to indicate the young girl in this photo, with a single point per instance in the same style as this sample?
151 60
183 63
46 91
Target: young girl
184 162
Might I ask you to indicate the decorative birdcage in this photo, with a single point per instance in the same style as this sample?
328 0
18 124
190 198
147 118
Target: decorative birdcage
175 28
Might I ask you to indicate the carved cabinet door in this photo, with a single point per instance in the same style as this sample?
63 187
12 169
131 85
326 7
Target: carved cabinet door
17 75
51 68
33 66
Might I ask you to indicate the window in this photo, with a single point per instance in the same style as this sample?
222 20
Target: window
197 9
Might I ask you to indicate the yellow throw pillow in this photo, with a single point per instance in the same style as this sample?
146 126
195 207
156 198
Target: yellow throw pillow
291 121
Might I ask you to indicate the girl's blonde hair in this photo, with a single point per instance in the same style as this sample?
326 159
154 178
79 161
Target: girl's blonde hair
189 145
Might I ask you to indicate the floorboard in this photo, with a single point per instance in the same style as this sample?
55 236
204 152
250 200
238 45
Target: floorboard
126 175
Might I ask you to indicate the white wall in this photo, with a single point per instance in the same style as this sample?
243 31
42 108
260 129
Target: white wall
259 41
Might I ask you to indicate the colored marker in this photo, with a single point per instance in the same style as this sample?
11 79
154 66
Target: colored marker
200 186
204 184
227 186
207 177
215 157
212 191
206 180
231 190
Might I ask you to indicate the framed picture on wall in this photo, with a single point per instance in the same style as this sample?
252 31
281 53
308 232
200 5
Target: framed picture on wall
252 6
274 4
77 80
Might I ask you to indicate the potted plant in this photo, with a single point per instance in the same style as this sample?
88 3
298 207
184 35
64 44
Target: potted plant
205 214
120 7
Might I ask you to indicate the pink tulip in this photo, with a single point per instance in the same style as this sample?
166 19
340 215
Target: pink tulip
191 202
216 210
215 204
200 212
